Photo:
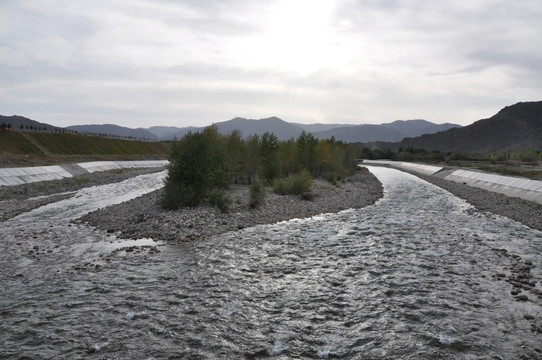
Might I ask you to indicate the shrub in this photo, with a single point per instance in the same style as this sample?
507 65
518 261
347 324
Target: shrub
177 195
300 183
219 199
257 194
280 187
196 166
331 177
307 195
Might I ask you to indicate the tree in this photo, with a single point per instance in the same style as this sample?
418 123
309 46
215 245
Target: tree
196 166
288 162
235 154
270 166
305 146
322 157
252 157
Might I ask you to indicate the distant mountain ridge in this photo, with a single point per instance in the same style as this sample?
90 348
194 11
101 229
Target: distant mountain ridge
390 132
514 128
394 131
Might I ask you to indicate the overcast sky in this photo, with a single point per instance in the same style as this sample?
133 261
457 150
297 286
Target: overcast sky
140 63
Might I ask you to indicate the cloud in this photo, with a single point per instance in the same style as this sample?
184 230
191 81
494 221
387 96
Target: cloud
168 62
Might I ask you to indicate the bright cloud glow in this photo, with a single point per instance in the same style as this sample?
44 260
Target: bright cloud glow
194 62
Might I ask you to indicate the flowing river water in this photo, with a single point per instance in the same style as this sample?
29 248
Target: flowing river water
418 275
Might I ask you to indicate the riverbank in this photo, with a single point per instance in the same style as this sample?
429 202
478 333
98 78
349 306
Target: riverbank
526 212
15 200
143 217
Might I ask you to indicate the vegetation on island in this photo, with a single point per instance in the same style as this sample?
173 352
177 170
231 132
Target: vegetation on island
203 165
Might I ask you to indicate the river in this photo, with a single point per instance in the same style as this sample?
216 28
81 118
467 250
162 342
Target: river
418 275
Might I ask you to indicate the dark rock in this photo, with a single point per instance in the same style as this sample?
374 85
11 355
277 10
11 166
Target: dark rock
178 226
240 227
110 230
139 218
522 297
190 225
528 316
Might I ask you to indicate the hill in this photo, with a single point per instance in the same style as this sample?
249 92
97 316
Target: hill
389 132
22 143
20 123
115 130
363 133
516 127
417 127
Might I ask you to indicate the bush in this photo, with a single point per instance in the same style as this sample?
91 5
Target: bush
196 166
257 194
331 177
219 199
308 196
280 187
178 195
300 183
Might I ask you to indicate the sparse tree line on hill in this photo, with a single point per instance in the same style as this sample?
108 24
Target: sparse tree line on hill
57 130
5 126
203 164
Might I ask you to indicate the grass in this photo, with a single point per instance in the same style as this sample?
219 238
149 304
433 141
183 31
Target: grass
17 150
70 144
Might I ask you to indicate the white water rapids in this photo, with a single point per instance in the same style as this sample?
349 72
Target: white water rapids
417 275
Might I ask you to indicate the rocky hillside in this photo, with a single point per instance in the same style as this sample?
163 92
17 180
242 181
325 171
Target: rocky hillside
516 127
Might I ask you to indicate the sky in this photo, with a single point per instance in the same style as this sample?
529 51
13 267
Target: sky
142 63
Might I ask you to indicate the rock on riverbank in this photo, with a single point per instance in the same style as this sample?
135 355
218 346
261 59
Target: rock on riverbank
143 217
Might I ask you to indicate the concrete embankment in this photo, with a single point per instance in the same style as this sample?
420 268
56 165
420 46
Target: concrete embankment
511 186
25 175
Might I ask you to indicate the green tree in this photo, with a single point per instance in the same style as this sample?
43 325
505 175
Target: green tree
288 162
322 157
196 166
305 147
235 155
252 157
270 166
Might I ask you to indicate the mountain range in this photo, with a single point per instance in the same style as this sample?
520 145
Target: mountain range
394 131
391 132
514 128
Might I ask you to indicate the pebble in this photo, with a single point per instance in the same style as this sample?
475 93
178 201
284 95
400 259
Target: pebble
364 188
